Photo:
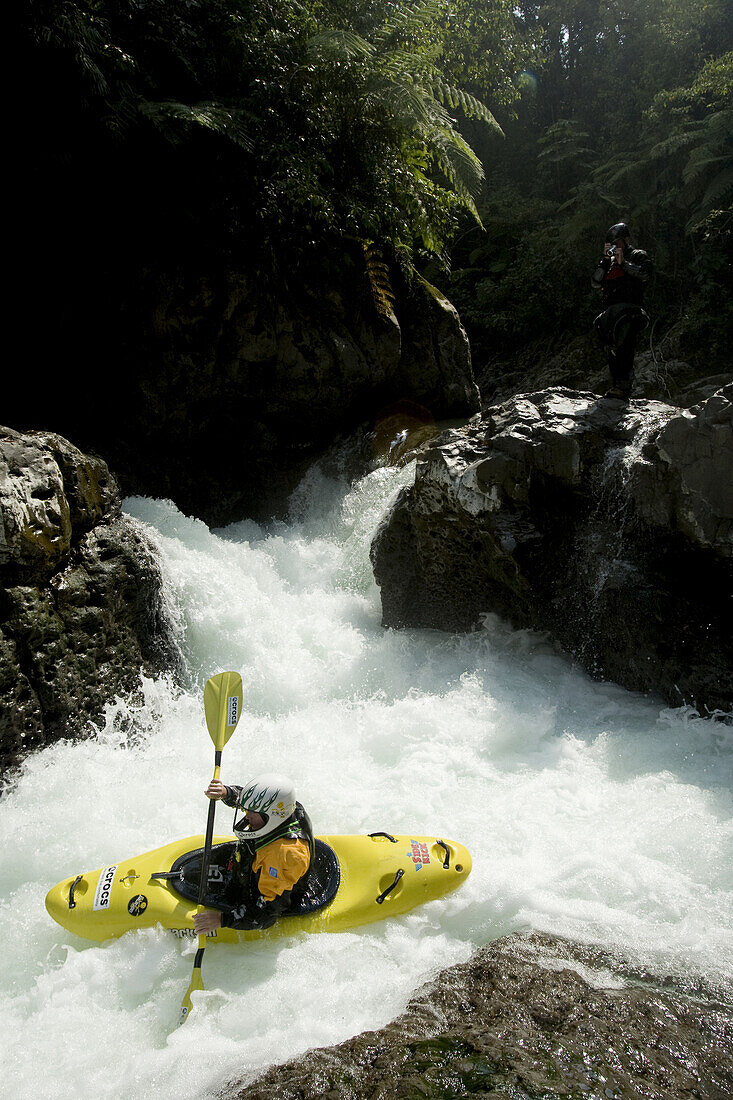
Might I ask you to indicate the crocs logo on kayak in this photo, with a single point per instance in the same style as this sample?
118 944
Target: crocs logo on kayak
104 889
232 710
419 854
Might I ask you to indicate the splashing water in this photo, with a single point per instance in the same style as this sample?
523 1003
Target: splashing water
589 811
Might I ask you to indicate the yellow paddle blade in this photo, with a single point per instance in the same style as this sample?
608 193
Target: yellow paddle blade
222 706
197 982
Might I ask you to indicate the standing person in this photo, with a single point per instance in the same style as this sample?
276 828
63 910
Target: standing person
620 276
275 851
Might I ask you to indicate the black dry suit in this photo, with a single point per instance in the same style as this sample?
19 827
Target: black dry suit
623 318
242 905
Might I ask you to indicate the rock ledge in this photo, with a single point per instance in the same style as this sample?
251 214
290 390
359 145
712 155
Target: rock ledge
80 594
610 526
527 1017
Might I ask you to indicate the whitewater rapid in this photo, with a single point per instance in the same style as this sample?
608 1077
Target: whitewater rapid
589 811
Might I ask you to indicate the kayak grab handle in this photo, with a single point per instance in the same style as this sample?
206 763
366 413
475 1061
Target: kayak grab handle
75 883
442 844
391 887
388 836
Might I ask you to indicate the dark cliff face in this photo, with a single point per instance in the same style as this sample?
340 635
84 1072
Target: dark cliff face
519 1021
609 526
217 392
80 594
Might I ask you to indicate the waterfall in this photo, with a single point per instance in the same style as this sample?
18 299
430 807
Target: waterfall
589 811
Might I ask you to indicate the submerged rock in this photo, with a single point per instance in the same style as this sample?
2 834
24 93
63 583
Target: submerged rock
528 1016
80 593
608 525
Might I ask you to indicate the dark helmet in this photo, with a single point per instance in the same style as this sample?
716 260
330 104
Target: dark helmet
620 230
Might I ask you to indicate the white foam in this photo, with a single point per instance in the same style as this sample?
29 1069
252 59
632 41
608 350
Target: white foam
589 811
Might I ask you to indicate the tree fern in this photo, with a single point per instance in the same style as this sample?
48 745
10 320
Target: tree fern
394 82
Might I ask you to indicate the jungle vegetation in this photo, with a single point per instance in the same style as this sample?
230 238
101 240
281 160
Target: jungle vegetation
625 112
485 143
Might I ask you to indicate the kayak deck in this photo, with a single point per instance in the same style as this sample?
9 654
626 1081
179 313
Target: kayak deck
375 876
185 877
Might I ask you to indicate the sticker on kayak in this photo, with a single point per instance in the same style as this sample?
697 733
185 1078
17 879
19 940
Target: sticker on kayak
232 710
104 888
419 854
190 933
137 905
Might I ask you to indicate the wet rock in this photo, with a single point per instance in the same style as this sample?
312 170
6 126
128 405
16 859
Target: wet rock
662 371
224 392
608 525
528 1016
80 593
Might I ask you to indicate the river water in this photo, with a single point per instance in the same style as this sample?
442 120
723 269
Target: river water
589 811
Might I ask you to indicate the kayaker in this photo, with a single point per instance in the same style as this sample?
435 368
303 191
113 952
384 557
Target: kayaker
621 275
275 850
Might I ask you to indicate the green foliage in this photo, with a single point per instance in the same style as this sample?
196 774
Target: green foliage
628 117
399 101
273 134
274 126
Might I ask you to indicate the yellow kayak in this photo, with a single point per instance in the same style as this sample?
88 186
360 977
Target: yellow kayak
356 880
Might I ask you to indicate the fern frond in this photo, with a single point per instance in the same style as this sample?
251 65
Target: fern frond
210 116
457 99
718 195
82 34
402 101
383 295
408 18
402 63
676 143
700 163
461 167
335 45
630 169
467 164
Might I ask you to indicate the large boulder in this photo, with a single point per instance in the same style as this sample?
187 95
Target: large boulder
528 1016
80 593
608 525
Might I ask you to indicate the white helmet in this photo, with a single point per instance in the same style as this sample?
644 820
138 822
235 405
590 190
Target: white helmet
270 795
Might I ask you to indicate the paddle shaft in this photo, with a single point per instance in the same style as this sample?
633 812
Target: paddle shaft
209 835
196 981
222 706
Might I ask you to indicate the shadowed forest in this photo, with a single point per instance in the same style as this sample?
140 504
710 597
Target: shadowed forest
486 145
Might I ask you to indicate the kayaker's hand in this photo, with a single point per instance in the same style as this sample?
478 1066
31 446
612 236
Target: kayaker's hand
216 789
207 921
